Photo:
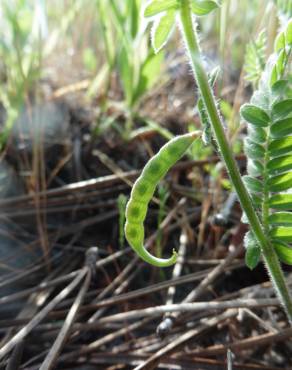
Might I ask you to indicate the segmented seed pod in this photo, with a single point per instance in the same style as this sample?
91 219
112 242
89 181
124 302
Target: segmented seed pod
143 191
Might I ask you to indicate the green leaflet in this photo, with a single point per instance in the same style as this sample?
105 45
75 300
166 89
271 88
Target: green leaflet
255 167
257 199
282 233
288 33
253 184
161 30
253 150
282 109
280 183
274 76
280 146
280 88
254 115
280 42
261 99
253 251
281 62
258 134
282 128
281 201
280 164
284 252
281 219
159 6
203 7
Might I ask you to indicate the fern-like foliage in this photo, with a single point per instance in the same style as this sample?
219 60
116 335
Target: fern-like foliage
255 58
268 148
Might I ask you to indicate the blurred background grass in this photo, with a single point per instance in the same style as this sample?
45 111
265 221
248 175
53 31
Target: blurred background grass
102 48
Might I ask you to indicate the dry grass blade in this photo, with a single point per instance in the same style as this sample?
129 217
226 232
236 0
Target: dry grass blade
152 362
41 315
253 342
191 307
52 356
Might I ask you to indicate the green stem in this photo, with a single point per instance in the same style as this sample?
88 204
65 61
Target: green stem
270 257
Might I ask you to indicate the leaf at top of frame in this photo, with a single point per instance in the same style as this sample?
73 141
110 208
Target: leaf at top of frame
159 6
203 7
162 29
254 115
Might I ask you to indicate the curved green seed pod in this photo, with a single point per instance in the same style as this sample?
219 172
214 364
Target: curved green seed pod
143 191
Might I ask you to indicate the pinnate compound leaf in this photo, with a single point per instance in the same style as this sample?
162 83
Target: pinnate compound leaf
162 30
255 58
284 252
203 7
254 115
159 6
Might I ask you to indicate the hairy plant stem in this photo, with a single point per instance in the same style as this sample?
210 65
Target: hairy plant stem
269 254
